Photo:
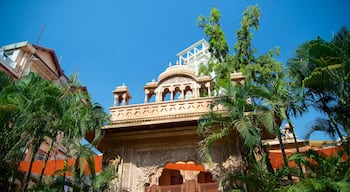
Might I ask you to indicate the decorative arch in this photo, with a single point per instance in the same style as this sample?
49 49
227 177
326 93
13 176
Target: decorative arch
177 93
165 93
178 70
170 177
181 176
188 92
190 166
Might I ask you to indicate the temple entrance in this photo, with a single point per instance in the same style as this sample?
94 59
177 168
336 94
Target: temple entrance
182 177
170 177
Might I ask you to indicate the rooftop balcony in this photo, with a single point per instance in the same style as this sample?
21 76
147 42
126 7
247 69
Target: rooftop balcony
159 112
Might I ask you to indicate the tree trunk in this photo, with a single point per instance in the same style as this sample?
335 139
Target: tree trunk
25 186
284 155
296 145
45 161
65 170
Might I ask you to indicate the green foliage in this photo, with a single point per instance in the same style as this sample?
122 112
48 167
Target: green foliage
33 110
243 47
217 40
258 178
272 100
230 119
325 173
322 68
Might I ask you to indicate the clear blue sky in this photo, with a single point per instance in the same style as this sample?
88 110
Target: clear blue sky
110 42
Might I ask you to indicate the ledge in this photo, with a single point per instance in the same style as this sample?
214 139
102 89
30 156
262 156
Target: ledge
153 113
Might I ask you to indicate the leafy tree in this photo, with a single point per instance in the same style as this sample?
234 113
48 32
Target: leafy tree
80 117
325 173
322 68
259 178
319 74
267 108
38 109
8 136
227 116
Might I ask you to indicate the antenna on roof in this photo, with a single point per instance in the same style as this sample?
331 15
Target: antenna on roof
40 34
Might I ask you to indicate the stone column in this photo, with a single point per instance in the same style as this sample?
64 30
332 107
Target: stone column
115 100
146 96
196 93
182 89
158 95
207 85
171 89
125 99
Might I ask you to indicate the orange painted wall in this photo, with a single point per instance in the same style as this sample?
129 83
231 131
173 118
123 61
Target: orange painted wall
56 165
276 158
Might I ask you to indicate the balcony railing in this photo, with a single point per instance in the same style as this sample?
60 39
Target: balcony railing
6 59
170 111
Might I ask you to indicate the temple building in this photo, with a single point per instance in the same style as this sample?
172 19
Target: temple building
154 146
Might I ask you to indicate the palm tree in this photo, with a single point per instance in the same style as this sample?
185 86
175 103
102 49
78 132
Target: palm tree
8 136
5 80
231 115
284 103
39 108
324 173
322 68
228 115
80 117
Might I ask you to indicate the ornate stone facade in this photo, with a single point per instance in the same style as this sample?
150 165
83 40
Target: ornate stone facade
155 145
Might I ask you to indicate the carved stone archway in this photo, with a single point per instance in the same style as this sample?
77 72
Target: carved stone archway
181 176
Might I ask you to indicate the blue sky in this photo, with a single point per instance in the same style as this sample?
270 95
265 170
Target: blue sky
110 42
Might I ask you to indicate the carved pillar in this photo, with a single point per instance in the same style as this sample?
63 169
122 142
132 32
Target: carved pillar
196 90
147 97
207 85
125 100
115 100
182 89
158 95
171 90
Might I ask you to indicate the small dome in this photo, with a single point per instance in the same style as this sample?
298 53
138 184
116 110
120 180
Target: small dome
152 84
177 70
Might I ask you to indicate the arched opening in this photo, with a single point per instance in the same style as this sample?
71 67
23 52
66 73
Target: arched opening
177 94
203 91
205 177
188 92
120 100
152 98
170 177
181 176
166 95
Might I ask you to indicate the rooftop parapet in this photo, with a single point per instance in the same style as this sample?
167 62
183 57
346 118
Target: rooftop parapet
194 55
153 113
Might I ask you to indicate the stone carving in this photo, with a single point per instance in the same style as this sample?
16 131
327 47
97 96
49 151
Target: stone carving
155 111
177 80
160 157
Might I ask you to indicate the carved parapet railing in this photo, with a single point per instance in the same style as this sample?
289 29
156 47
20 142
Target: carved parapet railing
171 111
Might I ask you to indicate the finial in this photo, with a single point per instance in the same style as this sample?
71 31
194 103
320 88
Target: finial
123 84
287 126
169 64
177 62
153 80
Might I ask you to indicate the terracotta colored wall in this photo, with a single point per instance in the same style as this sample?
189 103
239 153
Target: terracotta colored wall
55 165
